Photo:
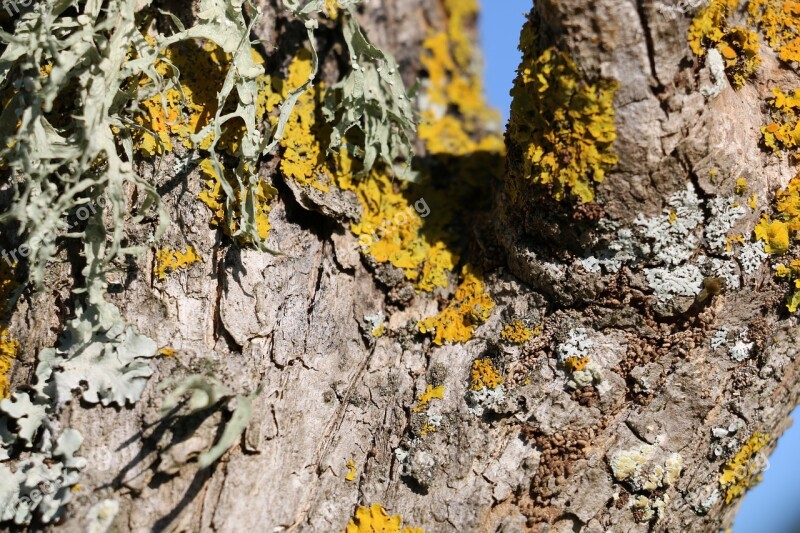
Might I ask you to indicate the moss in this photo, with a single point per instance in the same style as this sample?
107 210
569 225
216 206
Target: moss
516 333
375 519
737 45
562 122
743 470
431 393
470 307
484 375
171 260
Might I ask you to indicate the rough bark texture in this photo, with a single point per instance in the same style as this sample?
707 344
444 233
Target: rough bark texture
332 392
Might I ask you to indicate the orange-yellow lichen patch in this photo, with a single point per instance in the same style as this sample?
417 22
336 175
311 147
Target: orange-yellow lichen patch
574 363
393 229
562 122
304 156
351 470
196 72
470 307
455 81
484 375
787 204
213 196
741 186
779 20
431 393
516 332
168 261
8 346
743 471
8 352
375 519
782 132
737 45
775 235
167 351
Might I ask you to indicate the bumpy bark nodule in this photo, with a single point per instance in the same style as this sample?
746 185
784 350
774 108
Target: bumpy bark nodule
632 366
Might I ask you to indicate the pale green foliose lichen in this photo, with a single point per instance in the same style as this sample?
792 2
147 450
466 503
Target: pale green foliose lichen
205 393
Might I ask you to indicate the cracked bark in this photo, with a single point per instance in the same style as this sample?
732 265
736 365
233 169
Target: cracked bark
295 322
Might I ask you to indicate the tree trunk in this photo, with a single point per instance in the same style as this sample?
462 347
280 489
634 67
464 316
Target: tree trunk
643 356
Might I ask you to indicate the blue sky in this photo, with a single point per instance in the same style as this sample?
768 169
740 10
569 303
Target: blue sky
774 505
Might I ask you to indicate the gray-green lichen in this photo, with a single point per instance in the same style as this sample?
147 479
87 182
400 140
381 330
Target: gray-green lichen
206 393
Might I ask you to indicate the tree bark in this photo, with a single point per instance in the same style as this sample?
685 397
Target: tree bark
547 457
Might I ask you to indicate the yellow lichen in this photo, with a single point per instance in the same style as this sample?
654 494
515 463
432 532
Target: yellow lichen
9 348
574 363
379 331
741 186
484 375
516 333
737 45
783 133
456 82
778 234
392 229
779 20
168 261
743 471
793 301
775 235
562 123
351 470
213 196
431 393
470 307
196 72
730 239
304 158
375 519
167 351
8 352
